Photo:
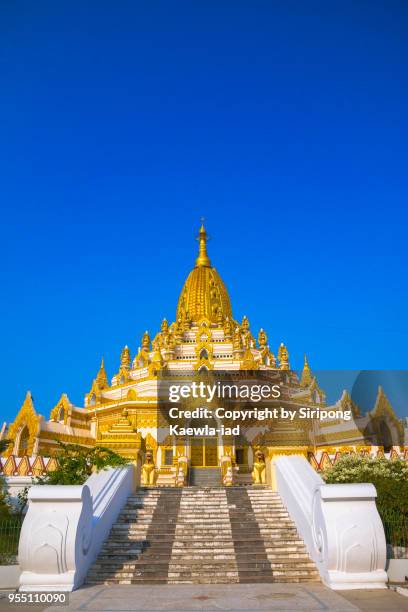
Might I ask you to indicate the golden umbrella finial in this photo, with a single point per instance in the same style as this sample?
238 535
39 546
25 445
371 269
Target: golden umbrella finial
202 259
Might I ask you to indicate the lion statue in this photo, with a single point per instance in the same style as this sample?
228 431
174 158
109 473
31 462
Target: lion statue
259 471
149 469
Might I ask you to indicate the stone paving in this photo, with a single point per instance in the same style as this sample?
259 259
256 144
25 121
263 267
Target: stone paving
235 597
207 598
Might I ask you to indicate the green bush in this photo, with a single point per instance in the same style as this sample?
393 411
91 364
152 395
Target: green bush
5 510
390 478
4 444
9 537
76 463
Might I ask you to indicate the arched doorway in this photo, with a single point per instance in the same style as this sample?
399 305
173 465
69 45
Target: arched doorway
23 442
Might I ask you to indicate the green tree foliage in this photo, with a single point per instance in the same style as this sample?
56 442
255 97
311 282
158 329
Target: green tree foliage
390 478
4 506
4 444
76 463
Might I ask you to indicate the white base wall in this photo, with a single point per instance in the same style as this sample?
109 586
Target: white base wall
397 570
9 576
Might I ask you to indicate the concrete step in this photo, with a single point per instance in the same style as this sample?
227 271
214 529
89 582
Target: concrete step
245 541
247 560
281 532
205 565
187 546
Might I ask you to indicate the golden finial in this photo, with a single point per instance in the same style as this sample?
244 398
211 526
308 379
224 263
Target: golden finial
262 338
202 259
283 357
101 378
307 377
146 341
125 358
28 401
245 323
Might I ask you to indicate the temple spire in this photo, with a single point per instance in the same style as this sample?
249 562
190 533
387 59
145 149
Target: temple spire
307 376
125 358
202 259
101 377
283 357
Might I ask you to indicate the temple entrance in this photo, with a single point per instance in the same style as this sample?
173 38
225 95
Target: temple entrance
204 452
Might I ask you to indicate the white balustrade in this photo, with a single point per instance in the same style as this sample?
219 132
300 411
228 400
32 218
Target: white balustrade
339 524
66 526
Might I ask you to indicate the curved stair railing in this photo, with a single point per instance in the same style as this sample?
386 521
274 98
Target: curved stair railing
339 524
66 526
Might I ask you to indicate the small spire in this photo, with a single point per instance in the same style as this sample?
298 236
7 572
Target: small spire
307 376
283 357
125 358
262 338
101 378
146 341
28 401
202 259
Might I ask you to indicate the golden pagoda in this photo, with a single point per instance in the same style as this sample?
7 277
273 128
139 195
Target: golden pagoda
123 414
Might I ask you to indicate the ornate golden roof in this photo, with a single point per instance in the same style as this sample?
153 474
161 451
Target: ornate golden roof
204 294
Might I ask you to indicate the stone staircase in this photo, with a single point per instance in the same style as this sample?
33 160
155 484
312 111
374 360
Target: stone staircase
199 535
204 477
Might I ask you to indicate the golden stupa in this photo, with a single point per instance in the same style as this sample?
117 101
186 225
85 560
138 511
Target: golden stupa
204 295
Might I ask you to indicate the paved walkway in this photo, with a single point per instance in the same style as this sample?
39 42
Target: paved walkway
234 597
207 598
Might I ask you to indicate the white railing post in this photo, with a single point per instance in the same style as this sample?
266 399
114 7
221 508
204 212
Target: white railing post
66 526
339 524
55 538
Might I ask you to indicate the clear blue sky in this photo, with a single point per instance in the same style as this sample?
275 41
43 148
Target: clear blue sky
122 123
